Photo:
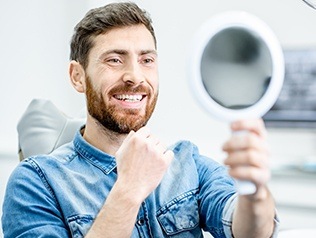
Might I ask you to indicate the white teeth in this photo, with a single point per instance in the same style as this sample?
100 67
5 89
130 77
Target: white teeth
129 98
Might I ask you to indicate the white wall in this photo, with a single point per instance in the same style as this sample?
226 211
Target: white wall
34 55
34 49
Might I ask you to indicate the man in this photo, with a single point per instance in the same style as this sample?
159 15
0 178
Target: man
116 179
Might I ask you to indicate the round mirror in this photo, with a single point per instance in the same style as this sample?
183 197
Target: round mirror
237 66
237 70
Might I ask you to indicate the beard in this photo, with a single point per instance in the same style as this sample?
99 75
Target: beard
118 120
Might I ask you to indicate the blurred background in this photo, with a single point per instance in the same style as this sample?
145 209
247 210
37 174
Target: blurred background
34 56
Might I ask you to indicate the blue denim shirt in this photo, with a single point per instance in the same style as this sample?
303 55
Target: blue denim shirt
60 194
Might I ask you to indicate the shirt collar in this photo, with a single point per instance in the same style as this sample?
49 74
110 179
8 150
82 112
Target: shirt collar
102 160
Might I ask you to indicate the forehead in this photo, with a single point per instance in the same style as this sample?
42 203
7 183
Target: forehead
136 38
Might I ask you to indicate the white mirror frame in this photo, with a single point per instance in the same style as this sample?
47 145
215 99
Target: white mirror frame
254 25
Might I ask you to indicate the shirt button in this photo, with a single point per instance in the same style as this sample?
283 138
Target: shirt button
141 222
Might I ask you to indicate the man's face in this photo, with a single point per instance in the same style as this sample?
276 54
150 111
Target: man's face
122 78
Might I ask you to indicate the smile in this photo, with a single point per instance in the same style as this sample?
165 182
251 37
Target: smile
129 98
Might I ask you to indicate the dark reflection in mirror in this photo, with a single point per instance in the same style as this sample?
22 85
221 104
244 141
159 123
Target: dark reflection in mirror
236 68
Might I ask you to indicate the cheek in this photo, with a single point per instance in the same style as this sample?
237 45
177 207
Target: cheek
154 83
94 90
104 92
101 86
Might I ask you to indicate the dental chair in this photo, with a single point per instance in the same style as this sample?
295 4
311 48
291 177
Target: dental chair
43 128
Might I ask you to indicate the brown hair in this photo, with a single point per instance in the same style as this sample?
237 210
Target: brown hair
100 20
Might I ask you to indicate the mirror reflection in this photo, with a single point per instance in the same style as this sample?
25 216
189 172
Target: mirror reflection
236 68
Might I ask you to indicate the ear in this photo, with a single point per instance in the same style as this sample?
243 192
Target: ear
77 76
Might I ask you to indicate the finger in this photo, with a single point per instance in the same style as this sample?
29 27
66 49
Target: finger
258 176
127 139
246 141
248 157
253 125
161 147
143 132
168 155
153 140
130 134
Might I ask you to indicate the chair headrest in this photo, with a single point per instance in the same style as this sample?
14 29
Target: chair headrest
43 128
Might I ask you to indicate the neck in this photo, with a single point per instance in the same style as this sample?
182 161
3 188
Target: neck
102 138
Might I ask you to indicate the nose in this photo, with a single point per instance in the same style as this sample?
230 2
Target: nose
133 74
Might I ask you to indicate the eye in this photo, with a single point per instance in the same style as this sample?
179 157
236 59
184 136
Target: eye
148 60
114 60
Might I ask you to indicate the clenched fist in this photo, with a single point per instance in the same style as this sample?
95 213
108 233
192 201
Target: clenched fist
142 161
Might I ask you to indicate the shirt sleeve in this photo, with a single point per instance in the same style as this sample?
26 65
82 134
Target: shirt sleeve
228 218
29 208
216 188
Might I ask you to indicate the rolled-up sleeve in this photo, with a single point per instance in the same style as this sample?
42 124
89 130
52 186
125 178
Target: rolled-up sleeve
228 218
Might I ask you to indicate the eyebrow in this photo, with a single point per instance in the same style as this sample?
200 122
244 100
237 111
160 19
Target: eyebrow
125 52
144 52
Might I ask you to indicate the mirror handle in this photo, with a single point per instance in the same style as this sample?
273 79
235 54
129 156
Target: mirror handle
244 187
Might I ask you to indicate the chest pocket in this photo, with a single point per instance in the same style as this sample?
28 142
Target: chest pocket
79 225
181 216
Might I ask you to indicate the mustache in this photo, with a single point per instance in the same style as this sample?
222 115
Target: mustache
129 89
